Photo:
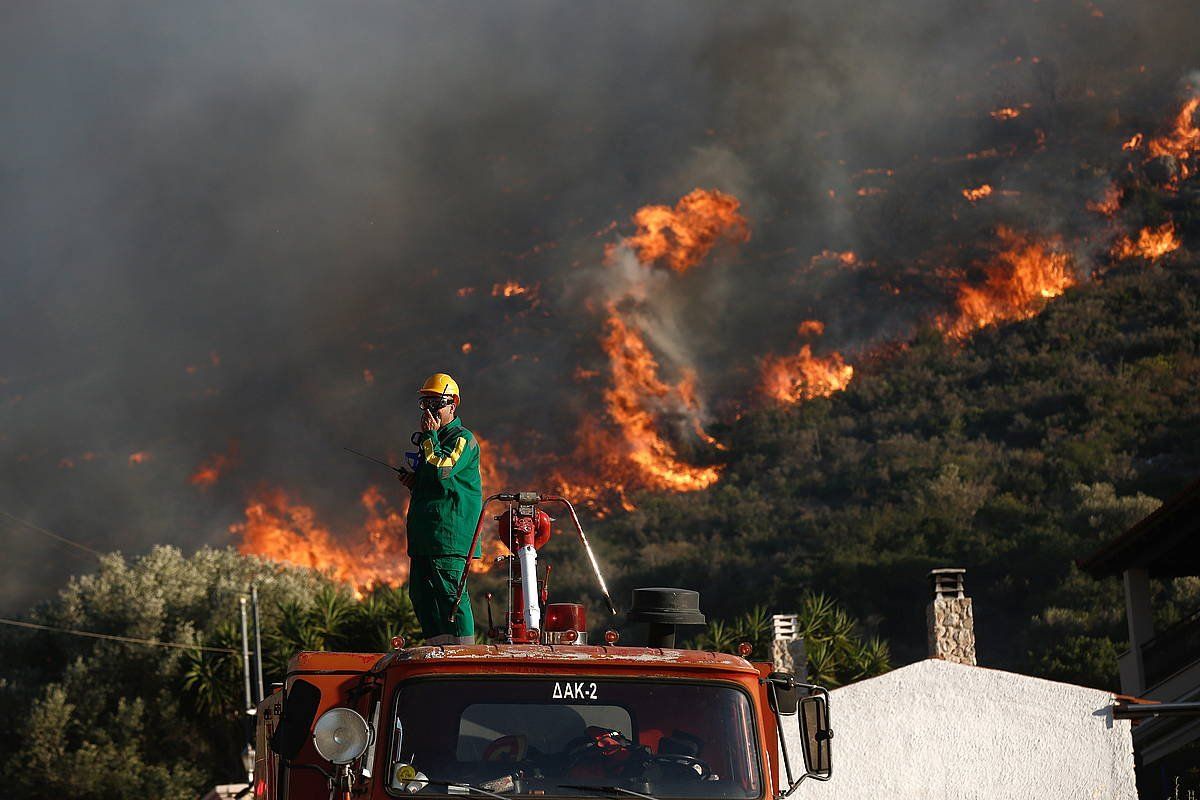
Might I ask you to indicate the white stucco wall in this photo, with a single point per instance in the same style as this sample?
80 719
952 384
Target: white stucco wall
941 730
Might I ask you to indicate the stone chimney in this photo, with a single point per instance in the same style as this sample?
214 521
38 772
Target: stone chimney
950 618
787 647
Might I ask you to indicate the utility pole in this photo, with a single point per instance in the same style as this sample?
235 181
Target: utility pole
257 642
246 658
251 708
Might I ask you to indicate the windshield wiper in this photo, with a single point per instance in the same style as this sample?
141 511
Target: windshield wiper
467 786
608 789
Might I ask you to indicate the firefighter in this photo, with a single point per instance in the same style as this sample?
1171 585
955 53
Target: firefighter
447 498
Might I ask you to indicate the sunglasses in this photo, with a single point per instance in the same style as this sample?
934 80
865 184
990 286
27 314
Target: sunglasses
432 404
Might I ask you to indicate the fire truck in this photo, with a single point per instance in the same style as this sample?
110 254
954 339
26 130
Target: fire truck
541 711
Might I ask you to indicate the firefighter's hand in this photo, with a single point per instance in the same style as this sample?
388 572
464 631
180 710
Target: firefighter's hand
429 422
407 479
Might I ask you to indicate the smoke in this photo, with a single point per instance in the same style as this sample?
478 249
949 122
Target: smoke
216 218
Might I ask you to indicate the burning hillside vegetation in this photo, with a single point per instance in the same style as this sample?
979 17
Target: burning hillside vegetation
616 260
635 443
372 554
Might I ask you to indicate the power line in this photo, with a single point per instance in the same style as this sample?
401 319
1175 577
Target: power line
112 637
29 556
51 534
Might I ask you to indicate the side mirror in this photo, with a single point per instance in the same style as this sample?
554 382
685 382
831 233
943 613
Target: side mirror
816 735
783 695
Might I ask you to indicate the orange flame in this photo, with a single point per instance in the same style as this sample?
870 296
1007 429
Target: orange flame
1182 140
803 376
1005 113
210 469
790 379
510 289
681 237
1018 280
635 378
847 258
1109 203
1134 142
977 193
280 530
1151 243
630 449
140 457
494 478
68 461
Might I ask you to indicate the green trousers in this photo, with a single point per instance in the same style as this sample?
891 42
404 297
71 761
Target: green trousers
432 583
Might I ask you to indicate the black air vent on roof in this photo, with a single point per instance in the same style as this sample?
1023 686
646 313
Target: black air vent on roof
666 606
663 609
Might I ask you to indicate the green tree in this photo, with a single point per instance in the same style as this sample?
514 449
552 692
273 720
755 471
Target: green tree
837 651
106 719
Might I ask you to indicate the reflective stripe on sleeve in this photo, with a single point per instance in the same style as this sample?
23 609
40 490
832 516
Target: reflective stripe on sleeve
443 461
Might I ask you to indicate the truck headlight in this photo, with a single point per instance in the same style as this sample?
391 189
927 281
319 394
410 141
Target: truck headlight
341 735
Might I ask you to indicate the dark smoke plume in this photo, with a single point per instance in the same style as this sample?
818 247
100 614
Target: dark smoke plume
250 223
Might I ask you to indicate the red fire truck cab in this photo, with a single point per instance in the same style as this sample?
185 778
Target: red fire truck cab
541 713
541 720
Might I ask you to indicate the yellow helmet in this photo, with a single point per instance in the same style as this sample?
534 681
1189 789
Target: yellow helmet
439 383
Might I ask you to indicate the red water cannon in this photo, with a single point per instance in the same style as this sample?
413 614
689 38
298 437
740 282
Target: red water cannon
524 528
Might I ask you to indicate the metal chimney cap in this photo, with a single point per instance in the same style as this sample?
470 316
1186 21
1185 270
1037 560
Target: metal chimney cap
947 582
667 606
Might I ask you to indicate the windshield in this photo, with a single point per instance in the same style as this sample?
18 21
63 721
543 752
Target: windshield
536 736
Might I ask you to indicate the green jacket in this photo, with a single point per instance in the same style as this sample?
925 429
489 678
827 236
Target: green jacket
447 495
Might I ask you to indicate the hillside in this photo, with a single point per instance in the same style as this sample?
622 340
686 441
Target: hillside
1010 454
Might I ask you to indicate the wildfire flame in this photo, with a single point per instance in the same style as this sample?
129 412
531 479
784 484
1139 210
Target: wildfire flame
977 193
847 258
803 376
493 477
1183 139
1019 278
1179 143
1109 203
140 457
1151 243
510 289
210 469
681 237
1005 113
630 448
634 380
282 530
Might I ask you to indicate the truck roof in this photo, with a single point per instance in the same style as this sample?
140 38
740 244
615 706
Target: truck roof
501 655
